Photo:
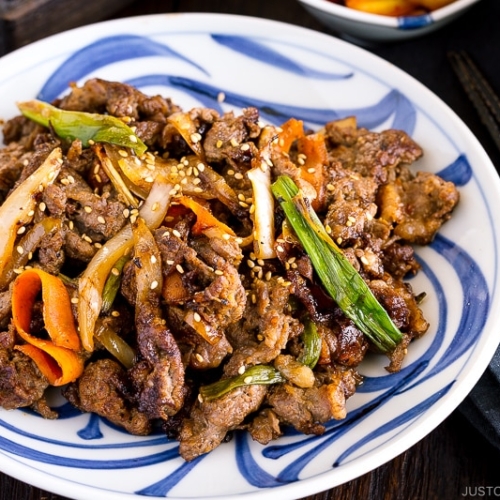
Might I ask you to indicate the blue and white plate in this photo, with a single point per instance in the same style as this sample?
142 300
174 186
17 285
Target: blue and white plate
285 71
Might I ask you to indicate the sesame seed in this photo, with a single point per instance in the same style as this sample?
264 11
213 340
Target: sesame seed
351 218
88 209
260 262
115 314
330 187
248 380
132 138
238 176
200 167
122 153
230 172
74 300
218 144
311 170
154 285
179 269
149 179
328 229
280 248
31 213
221 97
218 272
21 230
226 236
250 263
243 204
71 224
170 262
198 190
199 357
126 213
200 398
196 181
241 369
87 238
175 232
20 250
42 207
153 259
245 147
234 142
197 317
64 182
268 276
196 137
339 240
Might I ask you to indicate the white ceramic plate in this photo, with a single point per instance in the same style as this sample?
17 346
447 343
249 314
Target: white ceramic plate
285 71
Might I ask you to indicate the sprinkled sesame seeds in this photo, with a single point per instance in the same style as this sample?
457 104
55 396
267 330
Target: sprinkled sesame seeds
221 97
123 153
149 179
132 138
20 250
245 147
197 317
21 230
126 213
175 232
238 176
179 268
234 142
196 137
248 380
364 260
218 144
115 314
241 369
311 170
74 300
199 357
154 285
218 272
115 272
42 206
88 209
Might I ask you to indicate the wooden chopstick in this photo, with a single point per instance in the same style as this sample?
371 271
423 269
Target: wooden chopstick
479 91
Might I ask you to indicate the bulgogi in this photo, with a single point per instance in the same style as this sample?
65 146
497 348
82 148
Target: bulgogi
196 303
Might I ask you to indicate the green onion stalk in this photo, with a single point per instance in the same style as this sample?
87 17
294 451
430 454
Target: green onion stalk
88 127
340 279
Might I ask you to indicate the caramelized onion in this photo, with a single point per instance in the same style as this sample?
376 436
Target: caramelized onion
93 279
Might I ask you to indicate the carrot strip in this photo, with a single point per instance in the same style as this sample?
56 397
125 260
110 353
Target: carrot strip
313 147
56 358
204 218
291 130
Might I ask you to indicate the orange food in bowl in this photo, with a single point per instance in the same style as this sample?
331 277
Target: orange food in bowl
395 7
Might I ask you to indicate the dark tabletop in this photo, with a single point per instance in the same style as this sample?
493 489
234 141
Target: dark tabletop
453 461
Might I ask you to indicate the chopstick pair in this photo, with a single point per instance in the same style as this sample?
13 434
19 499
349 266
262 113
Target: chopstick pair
479 91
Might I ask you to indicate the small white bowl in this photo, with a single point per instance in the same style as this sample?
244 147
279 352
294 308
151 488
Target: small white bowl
365 26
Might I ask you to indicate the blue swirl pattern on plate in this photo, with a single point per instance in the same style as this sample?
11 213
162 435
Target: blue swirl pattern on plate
393 107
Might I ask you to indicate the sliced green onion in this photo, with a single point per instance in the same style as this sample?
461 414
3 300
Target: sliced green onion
312 345
254 375
88 127
112 284
340 279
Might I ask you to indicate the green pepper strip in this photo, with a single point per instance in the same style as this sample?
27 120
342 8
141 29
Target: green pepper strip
112 284
338 276
258 374
312 345
87 127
